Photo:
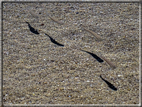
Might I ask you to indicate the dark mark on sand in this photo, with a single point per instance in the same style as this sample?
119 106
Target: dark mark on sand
95 56
33 30
109 84
53 40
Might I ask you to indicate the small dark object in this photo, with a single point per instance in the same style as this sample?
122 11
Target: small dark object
77 12
53 40
109 84
95 56
32 29
133 28
42 24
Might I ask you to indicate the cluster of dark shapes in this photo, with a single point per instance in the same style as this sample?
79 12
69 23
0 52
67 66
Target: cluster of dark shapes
33 30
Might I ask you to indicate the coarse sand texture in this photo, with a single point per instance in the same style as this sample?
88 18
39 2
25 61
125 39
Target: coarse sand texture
70 53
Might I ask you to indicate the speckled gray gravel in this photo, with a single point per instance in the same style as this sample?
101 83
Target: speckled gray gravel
36 71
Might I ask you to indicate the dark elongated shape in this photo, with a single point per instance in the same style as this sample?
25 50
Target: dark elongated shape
95 56
33 30
109 84
53 40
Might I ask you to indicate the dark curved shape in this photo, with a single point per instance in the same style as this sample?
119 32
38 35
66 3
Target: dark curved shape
33 30
53 40
109 84
95 56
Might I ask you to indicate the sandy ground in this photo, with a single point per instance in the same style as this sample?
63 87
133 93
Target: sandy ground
37 71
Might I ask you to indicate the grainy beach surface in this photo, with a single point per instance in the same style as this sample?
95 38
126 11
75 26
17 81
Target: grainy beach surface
38 71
